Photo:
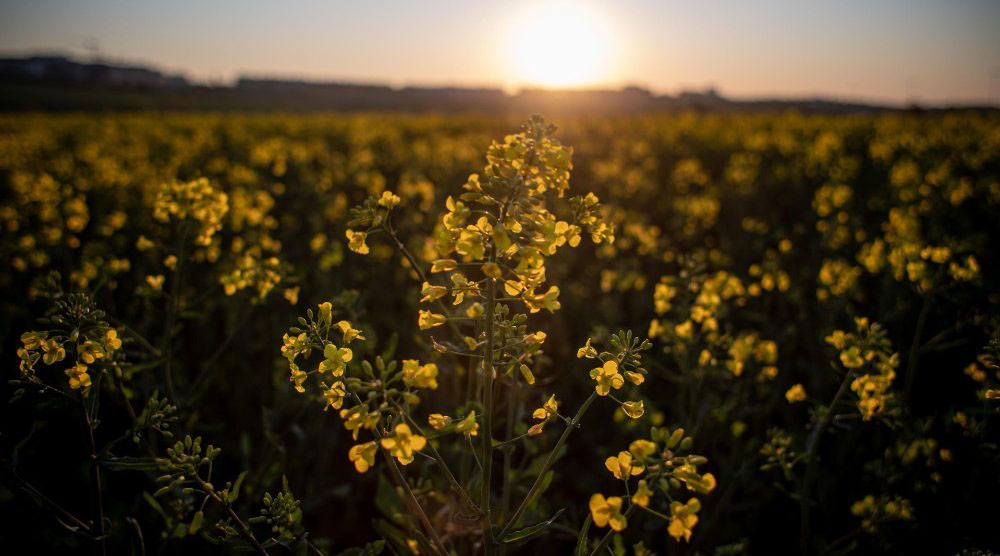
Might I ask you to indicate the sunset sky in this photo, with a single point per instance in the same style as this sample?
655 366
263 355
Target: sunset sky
890 51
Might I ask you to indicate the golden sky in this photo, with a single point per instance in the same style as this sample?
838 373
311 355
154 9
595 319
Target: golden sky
890 50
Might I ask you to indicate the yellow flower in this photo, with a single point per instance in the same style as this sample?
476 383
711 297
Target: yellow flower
431 292
795 394
607 377
492 270
143 244
350 334
607 511
362 455
642 449
633 409
642 494
336 359
356 242
388 200
683 518
292 346
111 340
298 377
438 421
526 373
684 330
402 444
33 340
704 358
475 310
443 265
427 319
78 377
548 409
357 418
468 425
292 295
586 351
622 467
634 377
851 357
335 395
420 376
54 351
838 339
535 339
90 351
325 313
698 483
155 282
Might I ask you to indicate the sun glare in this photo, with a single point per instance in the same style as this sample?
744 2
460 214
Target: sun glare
558 45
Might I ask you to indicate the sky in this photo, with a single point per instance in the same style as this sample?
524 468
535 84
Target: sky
893 51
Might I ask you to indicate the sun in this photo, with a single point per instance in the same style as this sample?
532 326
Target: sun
558 44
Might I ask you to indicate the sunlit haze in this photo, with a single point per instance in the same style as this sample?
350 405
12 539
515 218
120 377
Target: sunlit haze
892 51
559 44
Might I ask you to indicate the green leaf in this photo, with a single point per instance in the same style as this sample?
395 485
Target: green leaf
130 464
235 491
531 530
154 504
581 540
162 491
196 523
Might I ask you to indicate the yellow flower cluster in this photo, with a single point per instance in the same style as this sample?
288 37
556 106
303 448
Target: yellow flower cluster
196 200
665 468
51 349
867 355
873 512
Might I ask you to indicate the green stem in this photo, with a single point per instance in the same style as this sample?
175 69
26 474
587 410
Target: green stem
811 462
444 467
244 530
397 475
509 435
512 402
914 357
487 436
549 462
99 491
173 306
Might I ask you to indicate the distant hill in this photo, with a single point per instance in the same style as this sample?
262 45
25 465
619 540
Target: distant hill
59 83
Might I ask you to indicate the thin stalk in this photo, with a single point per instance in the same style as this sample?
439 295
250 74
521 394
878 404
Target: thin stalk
444 467
173 306
811 462
415 507
512 402
244 530
77 523
914 357
138 534
509 435
487 437
397 476
549 462
99 491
